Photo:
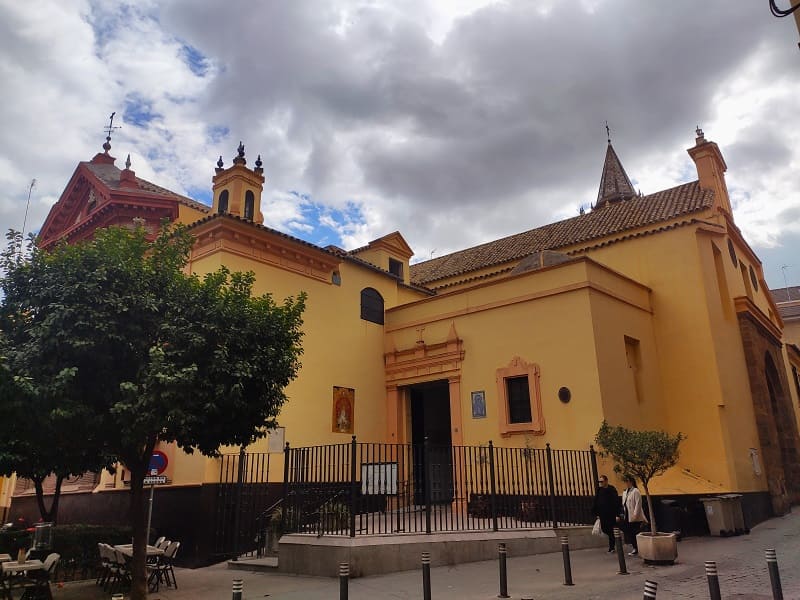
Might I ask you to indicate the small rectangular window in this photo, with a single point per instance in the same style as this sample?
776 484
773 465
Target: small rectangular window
519 400
396 267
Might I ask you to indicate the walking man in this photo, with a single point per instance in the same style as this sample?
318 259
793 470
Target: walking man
607 508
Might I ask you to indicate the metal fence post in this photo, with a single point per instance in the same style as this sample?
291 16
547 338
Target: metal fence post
492 486
620 548
774 575
238 511
426 576
426 459
567 563
237 589
713 580
353 486
344 580
501 554
552 484
285 503
650 589
593 459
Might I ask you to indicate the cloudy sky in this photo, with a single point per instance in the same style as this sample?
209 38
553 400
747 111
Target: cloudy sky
453 121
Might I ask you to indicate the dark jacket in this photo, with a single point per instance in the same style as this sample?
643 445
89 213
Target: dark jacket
607 503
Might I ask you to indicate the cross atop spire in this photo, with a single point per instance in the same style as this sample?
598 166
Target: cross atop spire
615 185
109 129
608 133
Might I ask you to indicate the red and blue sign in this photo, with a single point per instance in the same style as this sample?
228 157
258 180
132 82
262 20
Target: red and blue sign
158 463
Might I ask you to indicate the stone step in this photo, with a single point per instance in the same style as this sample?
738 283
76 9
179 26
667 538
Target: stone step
265 563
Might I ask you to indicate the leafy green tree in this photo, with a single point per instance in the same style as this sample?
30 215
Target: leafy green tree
43 431
641 454
116 326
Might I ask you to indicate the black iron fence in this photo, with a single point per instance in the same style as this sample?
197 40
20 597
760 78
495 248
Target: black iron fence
369 488
243 495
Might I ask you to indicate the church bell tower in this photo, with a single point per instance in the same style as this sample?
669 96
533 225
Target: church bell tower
237 189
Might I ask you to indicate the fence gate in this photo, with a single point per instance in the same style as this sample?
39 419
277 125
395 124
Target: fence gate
243 495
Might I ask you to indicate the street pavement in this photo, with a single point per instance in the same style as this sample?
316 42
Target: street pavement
741 564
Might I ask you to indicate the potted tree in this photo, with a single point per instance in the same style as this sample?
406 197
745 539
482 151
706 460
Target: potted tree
644 455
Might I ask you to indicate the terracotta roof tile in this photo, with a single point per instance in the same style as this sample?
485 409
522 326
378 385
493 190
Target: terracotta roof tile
109 175
789 311
610 219
786 294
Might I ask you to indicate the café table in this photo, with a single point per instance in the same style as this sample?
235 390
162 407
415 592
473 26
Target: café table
13 577
127 550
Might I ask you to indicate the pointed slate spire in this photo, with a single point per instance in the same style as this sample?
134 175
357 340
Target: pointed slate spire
614 183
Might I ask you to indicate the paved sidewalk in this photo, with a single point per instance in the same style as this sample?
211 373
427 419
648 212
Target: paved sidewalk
740 561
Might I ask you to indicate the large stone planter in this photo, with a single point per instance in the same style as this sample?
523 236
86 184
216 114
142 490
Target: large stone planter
661 548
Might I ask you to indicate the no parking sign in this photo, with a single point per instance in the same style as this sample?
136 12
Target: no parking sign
158 463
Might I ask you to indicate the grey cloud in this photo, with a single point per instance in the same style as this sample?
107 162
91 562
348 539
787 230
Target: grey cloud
497 129
508 111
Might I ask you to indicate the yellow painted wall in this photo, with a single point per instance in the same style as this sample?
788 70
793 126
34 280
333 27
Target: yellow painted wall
544 317
187 214
712 406
6 489
339 349
791 328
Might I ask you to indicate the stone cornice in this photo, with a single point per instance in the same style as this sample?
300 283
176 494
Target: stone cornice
748 308
241 238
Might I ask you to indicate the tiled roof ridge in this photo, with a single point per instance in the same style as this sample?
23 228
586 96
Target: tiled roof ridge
615 218
473 278
147 186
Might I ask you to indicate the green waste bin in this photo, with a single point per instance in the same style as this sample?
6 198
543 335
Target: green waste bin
720 519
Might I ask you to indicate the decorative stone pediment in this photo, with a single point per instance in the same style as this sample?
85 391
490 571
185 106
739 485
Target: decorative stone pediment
425 361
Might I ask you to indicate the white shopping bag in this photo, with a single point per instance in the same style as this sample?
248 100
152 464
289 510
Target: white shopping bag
597 530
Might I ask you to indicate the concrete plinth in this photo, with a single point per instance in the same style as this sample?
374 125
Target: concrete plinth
373 555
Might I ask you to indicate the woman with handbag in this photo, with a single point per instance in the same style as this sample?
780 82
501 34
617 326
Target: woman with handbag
633 514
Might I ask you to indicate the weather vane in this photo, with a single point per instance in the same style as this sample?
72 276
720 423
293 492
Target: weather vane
109 130
608 133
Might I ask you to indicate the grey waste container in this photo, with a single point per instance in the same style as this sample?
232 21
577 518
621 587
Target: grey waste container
733 507
719 519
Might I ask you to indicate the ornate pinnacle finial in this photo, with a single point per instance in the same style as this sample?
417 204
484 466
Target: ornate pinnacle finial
608 133
128 162
700 135
240 160
258 161
109 130
219 162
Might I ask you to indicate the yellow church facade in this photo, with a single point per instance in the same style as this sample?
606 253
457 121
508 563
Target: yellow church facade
647 311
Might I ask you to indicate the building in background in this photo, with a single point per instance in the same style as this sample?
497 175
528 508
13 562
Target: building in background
648 311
